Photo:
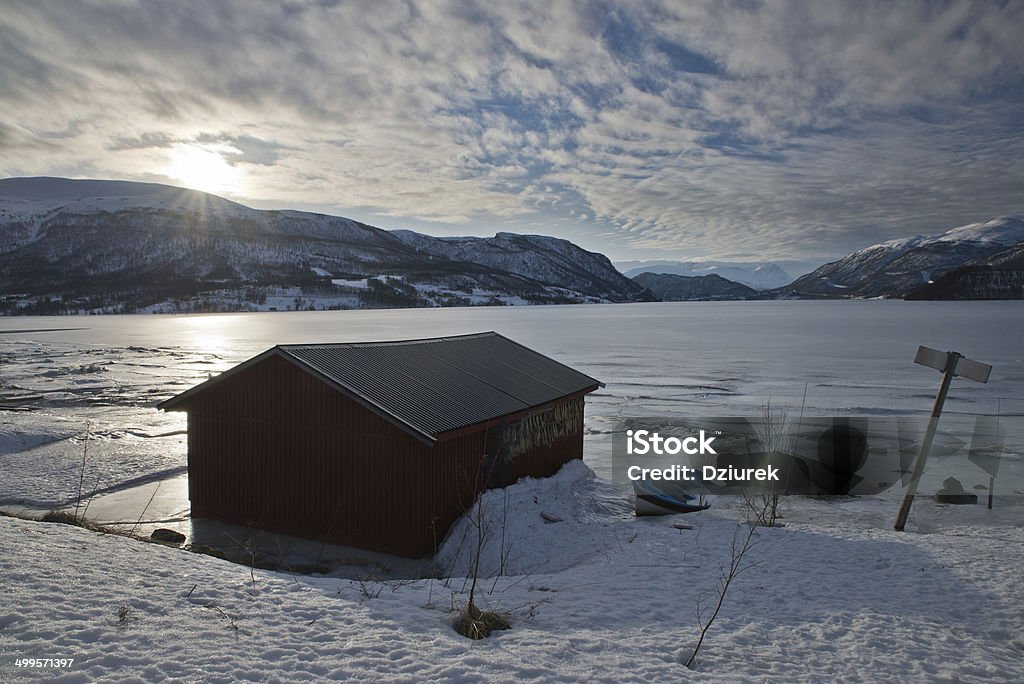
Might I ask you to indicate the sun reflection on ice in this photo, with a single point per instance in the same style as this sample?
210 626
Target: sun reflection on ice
209 335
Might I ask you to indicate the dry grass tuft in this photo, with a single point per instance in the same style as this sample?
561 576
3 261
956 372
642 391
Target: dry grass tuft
68 518
478 624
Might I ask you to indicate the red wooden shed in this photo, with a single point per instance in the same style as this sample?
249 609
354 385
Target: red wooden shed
379 445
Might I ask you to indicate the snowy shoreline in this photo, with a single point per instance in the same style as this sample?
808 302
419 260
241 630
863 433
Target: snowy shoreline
600 596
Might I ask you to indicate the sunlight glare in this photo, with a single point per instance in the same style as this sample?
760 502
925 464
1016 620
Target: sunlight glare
203 167
208 335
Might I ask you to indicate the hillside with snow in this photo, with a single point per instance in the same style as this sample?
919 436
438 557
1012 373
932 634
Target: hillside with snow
77 246
898 267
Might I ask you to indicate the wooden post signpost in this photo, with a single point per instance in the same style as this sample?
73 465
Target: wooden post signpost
951 364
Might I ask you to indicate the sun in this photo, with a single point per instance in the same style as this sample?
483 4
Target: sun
203 167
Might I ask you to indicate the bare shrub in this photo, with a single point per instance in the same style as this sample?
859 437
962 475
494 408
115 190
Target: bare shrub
743 539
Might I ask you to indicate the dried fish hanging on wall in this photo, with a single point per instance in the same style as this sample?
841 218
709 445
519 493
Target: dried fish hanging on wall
539 430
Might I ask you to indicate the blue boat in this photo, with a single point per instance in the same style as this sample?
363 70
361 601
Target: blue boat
664 498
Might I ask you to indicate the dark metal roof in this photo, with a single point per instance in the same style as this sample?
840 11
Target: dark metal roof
432 386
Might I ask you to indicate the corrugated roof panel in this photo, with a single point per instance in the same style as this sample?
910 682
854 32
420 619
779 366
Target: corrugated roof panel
411 384
529 376
438 385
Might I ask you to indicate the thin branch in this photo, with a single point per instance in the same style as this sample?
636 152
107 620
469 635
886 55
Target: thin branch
737 551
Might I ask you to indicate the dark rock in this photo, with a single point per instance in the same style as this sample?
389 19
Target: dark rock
307 569
951 485
958 499
165 535
952 492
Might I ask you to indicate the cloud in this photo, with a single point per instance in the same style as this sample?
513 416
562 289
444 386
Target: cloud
789 130
144 141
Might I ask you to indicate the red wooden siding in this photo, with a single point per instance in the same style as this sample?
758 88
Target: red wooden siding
276 448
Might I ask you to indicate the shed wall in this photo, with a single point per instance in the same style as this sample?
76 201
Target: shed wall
276 448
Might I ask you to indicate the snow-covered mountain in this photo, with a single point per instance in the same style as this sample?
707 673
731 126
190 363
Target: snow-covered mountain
547 259
1001 277
669 287
760 276
897 267
89 245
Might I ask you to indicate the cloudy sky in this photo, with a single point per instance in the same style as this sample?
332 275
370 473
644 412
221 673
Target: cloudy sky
789 131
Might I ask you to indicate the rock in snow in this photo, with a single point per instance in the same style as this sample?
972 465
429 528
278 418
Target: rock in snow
165 535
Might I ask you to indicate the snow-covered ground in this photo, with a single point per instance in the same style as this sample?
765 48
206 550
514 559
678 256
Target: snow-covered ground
600 595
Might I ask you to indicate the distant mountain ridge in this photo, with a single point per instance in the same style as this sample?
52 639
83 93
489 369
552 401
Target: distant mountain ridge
760 276
898 267
90 245
676 288
79 246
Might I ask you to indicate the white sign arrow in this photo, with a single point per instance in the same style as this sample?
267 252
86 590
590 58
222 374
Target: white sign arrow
964 367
